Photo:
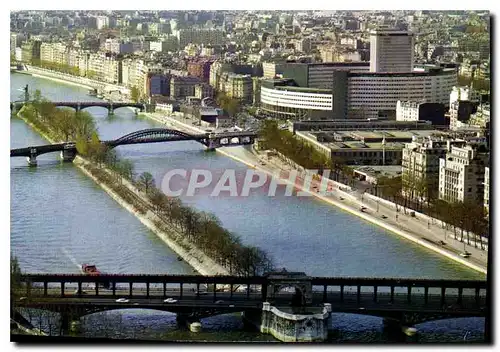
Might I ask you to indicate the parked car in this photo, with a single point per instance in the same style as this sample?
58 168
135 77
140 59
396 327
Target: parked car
122 300
170 300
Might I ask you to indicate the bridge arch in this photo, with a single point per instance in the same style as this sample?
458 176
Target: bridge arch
154 134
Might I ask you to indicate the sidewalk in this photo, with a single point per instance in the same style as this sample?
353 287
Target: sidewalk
428 231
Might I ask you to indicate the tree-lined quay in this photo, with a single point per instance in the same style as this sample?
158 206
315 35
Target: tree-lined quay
468 219
202 229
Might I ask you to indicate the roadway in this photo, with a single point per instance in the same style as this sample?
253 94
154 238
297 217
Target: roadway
348 302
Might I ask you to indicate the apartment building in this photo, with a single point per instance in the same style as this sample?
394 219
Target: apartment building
183 87
31 50
238 86
420 166
200 36
203 90
414 111
461 174
200 68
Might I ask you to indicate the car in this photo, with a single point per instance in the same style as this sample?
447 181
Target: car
23 299
219 301
170 300
341 198
384 217
122 300
231 306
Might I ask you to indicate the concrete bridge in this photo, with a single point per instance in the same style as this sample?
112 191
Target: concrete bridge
401 302
154 135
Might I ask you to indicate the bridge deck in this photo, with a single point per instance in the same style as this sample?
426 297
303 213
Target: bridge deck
355 295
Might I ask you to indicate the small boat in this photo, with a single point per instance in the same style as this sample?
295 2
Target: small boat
465 254
93 92
100 96
90 269
179 258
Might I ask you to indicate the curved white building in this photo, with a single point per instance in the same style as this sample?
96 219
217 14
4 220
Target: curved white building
288 101
357 94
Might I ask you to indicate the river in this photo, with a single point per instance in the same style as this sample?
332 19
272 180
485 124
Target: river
60 219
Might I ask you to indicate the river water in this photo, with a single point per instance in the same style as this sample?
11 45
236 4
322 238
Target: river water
60 219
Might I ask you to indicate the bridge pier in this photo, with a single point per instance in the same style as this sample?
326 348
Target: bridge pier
213 144
70 324
68 155
32 160
396 330
111 110
286 326
186 321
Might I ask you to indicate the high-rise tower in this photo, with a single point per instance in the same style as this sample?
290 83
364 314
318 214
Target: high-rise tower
391 50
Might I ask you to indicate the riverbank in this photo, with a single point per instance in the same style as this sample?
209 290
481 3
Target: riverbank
172 238
345 202
82 82
40 74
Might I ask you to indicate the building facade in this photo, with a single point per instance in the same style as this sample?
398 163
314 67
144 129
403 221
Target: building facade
414 111
286 101
461 174
421 165
391 51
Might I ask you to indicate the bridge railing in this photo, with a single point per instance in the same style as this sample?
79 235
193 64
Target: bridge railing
411 291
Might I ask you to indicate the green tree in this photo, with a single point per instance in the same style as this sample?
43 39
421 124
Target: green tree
91 74
134 94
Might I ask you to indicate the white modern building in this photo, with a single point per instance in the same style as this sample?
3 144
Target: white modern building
391 51
376 94
281 100
461 174
364 94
